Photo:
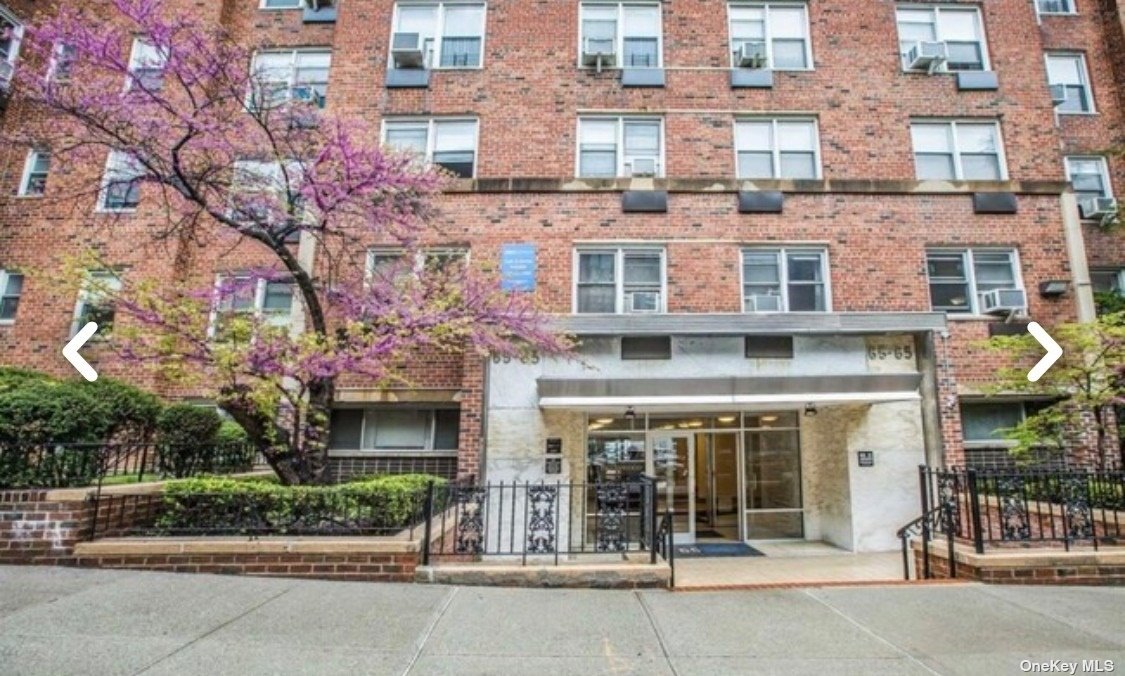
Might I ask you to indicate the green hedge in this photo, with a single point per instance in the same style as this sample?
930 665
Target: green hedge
222 506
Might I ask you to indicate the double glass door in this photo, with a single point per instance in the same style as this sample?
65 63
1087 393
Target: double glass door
772 483
673 465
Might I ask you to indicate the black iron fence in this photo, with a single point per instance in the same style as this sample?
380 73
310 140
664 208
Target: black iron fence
545 522
995 509
55 465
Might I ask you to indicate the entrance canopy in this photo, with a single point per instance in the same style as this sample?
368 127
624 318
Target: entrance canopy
714 393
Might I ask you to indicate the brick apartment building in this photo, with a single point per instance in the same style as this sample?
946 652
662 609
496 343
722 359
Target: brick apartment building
779 229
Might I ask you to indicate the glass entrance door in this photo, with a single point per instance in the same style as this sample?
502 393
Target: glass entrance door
673 465
773 484
716 485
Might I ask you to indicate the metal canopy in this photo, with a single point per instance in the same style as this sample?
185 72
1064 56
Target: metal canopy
733 324
765 391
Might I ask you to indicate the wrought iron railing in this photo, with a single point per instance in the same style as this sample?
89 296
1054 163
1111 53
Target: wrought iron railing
541 522
63 465
1017 508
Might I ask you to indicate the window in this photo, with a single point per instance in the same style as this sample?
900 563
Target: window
262 194
451 144
610 147
620 281
291 75
385 260
62 63
282 4
1108 280
146 65
962 151
269 300
1089 176
395 429
958 278
1055 6
451 34
646 347
35 170
769 347
784 280
779 148
778 32
11 32
1068 73
95 301
11 286
958 27
121 185
984 423
634 30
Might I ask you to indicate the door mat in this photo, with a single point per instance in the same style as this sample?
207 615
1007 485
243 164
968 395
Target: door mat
709 549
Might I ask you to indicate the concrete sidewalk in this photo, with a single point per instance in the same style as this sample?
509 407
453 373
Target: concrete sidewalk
64 621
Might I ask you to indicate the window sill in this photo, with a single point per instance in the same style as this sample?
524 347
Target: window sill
28 197
116 212
1076 113
7 322
389 453
979 318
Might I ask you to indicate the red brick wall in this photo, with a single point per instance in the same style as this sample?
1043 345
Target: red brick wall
366 567
35 530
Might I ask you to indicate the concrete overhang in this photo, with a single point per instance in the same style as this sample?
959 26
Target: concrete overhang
737 324
711 393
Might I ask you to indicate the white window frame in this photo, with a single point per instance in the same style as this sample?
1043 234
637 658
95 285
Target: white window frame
106 180
134 60
86 294
431 135
971 276
4 275
258 311
1084 76
17 40
783 253
431 431
291 81
619 142
1103 169
776 147
980 444
433 61
418 265
958 169
28 166
297 4
56 59
1118 273
619 37
619 251
936 10
766 6
1073 11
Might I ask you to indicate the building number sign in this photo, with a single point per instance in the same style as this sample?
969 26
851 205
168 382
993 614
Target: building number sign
883 351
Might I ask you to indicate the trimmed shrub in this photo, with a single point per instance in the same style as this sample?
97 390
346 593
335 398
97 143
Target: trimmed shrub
131 414
218 505
38 411
231 433
188 439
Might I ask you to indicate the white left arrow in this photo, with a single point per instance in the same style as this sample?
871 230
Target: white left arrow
70 352
1054 351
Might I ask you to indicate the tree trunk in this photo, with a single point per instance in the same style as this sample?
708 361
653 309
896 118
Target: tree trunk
299 459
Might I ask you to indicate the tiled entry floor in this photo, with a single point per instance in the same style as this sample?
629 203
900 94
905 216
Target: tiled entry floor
797 562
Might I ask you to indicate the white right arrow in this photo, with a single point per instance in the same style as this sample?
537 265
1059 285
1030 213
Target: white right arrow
70 352
1049 344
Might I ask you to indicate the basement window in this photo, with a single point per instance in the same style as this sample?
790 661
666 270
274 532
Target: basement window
646 347
769 347
395 428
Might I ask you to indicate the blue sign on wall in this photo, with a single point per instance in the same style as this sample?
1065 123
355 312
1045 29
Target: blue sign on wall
518 267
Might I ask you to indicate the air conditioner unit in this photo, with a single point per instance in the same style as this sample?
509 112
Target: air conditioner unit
407 50
642 167
1097 207
751 55
598 52
308 95
1003 301
763 303
319 4
1053 7
642 301
927 56
1058 94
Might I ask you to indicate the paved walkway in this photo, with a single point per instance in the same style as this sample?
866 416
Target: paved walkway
63 621
787 563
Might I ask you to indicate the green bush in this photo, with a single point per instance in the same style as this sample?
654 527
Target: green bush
219 505
131 414
189 437
231 433
38 411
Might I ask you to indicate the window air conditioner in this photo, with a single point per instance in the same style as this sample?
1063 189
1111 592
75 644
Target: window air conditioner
927 56
598 52
643 167
1003 301
763 303
1097 207
752 55
406 50
1058 94
642 301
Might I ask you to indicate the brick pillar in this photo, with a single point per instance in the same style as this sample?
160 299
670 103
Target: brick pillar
472 416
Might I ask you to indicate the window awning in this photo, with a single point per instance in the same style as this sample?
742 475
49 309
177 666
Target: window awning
747 392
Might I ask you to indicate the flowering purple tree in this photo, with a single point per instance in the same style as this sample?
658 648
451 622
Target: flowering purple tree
236 156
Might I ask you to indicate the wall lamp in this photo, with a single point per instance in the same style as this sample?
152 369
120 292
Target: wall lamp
1053 288
810 409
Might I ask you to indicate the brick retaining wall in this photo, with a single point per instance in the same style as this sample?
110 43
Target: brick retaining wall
38 528
1029 566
